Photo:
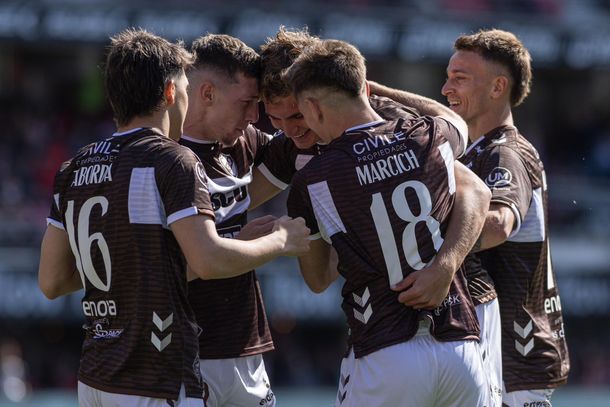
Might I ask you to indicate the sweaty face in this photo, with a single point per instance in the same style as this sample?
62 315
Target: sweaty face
177 111
469 84
285 115
235 106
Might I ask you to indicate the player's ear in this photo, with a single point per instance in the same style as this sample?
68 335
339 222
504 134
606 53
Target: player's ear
313 106
206 92
500 86
169 92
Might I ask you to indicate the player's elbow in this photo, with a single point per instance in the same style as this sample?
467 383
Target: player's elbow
319 283
318 287
483 195
50 289
499 227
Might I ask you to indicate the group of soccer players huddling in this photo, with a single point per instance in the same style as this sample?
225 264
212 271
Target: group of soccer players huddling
435 216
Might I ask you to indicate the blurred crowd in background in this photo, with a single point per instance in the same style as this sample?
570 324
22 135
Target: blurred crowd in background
53 102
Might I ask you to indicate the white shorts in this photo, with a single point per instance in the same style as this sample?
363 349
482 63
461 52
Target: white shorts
236 382
491 348
421 372
92 397
533 398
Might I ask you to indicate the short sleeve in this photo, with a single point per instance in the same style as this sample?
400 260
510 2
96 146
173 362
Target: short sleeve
55 217
457 139
184 187
257 142
278 161
299 205
505 174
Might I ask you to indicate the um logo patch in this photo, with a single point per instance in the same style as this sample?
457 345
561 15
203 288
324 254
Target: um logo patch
499 177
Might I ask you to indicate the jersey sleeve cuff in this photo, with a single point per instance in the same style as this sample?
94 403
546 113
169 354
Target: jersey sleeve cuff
185 213
315 236
55 223
271 178
513 208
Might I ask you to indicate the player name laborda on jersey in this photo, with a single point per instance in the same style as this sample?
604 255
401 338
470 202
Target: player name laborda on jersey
387 161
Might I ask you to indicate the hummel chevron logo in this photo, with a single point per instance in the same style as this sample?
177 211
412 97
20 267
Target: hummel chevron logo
344 380
162 325
341 396
342 393
364 317
160 344
524 350
364 299
522 332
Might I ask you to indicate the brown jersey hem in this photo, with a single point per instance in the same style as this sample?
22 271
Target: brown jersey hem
133 392
264 348
551 384
484 298
364 351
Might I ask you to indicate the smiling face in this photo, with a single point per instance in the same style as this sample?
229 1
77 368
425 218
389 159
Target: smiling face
234 107
285 115
469 87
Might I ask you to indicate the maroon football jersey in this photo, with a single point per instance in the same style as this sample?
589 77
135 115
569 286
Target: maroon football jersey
281 158
116 199
381 194
230 311
534 350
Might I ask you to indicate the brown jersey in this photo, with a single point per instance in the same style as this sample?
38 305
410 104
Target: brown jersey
480 283
534 350
281 157
230 311
116 199
381 194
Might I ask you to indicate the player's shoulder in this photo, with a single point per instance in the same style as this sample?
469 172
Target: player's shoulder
390 109
505 140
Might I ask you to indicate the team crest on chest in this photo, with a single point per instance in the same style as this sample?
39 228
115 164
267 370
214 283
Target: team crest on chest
226 161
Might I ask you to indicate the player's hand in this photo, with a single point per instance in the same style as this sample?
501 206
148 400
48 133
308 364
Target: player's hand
426 288
257 228
296 234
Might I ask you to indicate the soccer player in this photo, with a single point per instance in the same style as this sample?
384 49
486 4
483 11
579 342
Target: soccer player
381 194
127 212
223 102
489 74
295 144
480 286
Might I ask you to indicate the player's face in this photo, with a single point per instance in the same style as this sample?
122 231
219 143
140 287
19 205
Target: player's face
235 106
313 119
469 85
177 111
285 115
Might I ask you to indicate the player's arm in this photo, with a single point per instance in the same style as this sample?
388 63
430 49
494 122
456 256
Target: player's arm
319 266
261 189
428 287
57 273
424 105
210 256
499 224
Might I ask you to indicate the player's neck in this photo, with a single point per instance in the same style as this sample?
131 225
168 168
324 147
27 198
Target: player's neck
357 115
154 121
198 132
486 123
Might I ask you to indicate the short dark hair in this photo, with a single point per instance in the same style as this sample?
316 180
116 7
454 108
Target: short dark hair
328 64
277 54
227 55
138 66
504 48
